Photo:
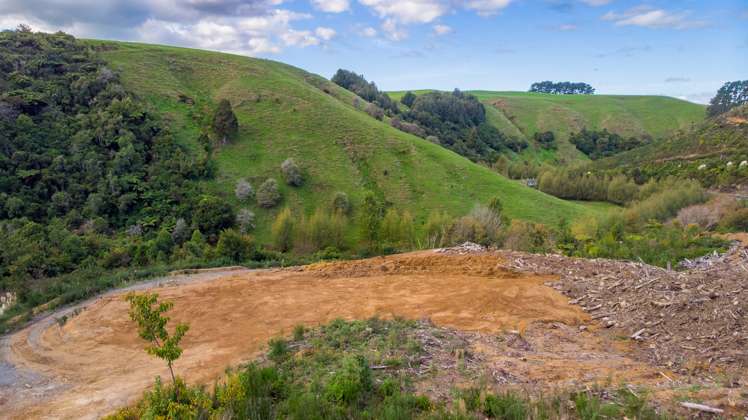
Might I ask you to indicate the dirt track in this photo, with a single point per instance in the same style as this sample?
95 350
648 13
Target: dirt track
95 363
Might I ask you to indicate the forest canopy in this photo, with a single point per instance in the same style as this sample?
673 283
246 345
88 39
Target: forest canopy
562 88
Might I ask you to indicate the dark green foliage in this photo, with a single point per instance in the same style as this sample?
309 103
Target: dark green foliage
562 88
212 215
546 140
372 212
225 125
72 140
341 204
234 246
268 195
730 95
408 99
368 91
598 144
459 121
292 173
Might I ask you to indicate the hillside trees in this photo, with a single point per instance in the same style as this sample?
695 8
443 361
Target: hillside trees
292 173
408 99
562 88
268 195
730 95
598 144
225 125
368 91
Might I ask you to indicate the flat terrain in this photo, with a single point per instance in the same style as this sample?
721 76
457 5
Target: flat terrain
524 332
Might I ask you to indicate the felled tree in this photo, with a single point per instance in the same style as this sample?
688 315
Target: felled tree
147 312
225 124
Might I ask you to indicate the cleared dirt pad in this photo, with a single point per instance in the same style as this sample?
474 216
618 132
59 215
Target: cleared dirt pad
95 360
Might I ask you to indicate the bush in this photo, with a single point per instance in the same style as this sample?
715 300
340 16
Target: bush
621 190
245 220
702 215
341 204
736 220
181 232
268 195
322 230
397 229
244 190
225 124
436 230
482 226
351 382
282 231
234 246
292 173
375 111
662 205
212 215
528 237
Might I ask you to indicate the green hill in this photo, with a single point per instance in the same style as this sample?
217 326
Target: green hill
286 112
711 152
523 114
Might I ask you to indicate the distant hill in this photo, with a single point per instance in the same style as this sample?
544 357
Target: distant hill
524 114
712 152
286 112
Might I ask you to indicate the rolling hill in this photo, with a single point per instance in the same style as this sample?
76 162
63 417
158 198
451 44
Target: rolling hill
522 114
286 112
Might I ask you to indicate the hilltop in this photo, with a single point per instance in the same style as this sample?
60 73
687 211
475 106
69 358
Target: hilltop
522 114
286 112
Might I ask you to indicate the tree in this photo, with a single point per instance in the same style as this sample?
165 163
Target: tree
730 95
292 173
371 218
234 246
268 195
212 215
547 140
408 99
181 232
243 190
147 312
225 124
282 231
245 220
341 204
562 88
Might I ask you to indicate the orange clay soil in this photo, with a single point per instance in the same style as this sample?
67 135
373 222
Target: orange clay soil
95 362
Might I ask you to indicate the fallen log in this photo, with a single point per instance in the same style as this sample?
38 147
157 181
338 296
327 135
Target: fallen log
702 407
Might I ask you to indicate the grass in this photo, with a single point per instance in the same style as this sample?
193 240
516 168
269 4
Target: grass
627 115
364 370
286 112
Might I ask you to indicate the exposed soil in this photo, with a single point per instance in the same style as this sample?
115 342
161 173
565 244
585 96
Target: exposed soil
522 331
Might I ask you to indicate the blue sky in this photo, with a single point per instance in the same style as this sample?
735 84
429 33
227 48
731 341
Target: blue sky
682 48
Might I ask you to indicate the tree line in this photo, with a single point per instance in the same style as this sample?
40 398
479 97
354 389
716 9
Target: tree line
562 88
730 95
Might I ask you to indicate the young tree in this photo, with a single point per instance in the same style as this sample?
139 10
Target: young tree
245 220
282 231
243 190
225 124
212 215
730 95
341 204
147 312
268 194
408 99
371 218
292 173
234 246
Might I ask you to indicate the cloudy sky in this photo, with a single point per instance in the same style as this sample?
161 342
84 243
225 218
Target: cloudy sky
683 48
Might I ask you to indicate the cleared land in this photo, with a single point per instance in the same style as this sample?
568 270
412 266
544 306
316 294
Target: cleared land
522 332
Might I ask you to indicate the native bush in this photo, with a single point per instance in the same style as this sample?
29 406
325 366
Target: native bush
341 204
234 246
292 173
245 220
244 190
268 195
283 231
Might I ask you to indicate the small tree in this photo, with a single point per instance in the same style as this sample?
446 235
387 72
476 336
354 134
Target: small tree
282 231
245 220
212 215
234 246
268 194
181 232
371 219
408 99
292 173
341 204
147 312
243 190
225 124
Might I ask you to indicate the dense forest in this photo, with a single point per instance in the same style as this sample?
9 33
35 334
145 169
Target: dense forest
729 96
368 91
562 88
599 144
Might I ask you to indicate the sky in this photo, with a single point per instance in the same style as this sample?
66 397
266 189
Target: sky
685 48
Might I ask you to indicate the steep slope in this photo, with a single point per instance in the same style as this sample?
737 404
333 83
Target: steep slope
525 114
711 152
286 112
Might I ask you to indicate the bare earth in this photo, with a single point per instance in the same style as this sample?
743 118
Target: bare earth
94 363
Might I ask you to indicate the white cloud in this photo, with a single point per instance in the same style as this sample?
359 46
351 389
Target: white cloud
566 27
596 3
325 33
293 38
369 32
408 11
487 7
647 17
442 30
393 31
332 6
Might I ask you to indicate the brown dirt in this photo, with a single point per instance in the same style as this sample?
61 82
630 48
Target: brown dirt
527 333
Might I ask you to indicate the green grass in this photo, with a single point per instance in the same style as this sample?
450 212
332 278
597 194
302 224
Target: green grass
627 115
284 112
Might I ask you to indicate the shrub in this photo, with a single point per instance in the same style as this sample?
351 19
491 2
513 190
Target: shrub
436 229
375 111
245 220
244 190
322 230
292 173
341 204
282 231
665 204
234 246
268 195
702 215
528 237
351 382
181 232
408 99
621 190
225 124
212 215
371 219
736 220
482 226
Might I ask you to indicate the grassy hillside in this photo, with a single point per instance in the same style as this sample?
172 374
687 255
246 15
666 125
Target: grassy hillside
286 112
523 114
711 152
